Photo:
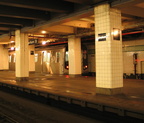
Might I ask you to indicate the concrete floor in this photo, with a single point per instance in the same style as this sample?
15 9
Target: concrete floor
82 87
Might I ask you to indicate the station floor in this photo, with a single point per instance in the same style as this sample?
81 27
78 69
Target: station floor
82 87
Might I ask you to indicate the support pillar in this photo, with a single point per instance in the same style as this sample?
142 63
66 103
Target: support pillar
74 50
109 64
22 56
4 63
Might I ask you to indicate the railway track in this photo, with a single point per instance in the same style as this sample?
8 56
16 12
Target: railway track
6 119
68 105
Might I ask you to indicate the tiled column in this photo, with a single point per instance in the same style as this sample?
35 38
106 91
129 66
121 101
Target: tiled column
4 63
32 58
109 64
22 56
74 50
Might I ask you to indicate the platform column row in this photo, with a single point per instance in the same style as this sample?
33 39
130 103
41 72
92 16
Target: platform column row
109 67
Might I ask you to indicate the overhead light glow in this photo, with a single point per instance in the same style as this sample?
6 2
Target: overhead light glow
43 32
36 54
116 32
44 42
48 41
12 41
12 48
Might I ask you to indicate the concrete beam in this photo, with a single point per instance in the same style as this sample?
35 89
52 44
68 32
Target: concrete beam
131 7
119 2
46 5
16 12
77 23
60 20
3 31
80 1
10 26
61 29
15 21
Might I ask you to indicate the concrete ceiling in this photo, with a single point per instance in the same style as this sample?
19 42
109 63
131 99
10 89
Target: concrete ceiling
61 17
131 7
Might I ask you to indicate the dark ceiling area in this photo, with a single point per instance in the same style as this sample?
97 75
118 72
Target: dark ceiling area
17 14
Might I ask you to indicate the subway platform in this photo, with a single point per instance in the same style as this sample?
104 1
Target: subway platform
81 91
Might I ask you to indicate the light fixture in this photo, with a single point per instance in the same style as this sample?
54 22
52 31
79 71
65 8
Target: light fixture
48 41
36 54
43 32
116 34
44 42
12 41
12 48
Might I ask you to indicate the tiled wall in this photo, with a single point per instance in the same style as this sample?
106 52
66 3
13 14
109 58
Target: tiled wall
133 42
129 48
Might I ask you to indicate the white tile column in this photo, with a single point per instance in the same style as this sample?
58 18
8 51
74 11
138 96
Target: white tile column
32 58
4 61
74 52
22 56
109 64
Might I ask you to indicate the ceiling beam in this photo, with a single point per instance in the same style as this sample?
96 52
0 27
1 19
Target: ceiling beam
3 32
81 1
119 2
60 20
78 23
16 12
88 2
46 5
15 21
10 26
60 29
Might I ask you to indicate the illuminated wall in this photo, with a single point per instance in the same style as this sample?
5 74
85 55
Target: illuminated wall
4 64
130 48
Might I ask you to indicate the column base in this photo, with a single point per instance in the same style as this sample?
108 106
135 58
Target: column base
22 78
109 91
